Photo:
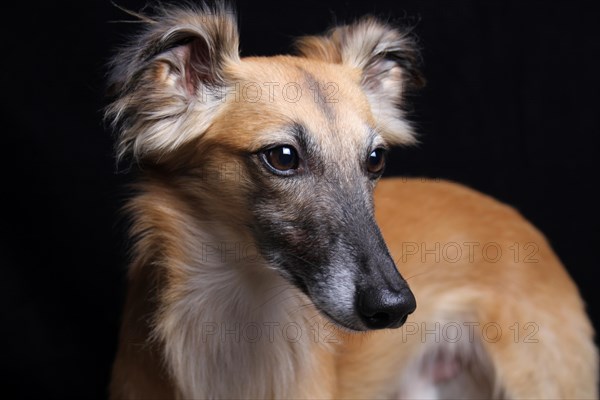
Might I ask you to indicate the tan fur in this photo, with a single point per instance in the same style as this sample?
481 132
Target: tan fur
562 364
191 108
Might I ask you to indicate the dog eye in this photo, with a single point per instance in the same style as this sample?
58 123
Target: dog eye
376 161
282 159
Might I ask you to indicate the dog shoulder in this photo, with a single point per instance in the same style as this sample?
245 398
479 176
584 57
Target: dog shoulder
436 200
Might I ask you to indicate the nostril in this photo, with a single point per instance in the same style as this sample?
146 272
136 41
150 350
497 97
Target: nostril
403 319
380 316
378 319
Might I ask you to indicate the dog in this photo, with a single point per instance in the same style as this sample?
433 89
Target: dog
270 261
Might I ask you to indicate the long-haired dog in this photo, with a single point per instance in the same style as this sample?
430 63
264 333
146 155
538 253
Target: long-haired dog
259 270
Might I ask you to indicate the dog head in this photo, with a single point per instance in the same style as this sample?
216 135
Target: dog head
307 136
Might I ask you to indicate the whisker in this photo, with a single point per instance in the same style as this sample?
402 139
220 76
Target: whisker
303 260
270 299
415 275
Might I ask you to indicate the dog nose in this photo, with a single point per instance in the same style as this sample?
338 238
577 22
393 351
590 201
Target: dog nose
384 308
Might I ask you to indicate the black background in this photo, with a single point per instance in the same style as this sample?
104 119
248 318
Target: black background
511 108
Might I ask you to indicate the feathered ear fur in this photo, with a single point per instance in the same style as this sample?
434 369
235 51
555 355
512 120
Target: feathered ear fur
388 60
169 81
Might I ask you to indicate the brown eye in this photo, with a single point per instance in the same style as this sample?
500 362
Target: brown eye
376 161
282 159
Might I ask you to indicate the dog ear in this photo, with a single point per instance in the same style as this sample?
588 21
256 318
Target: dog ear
168 83
388 61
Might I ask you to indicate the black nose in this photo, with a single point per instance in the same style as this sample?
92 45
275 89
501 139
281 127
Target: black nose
383 308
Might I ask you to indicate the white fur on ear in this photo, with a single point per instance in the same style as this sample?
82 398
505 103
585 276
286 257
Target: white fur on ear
168 81
388 60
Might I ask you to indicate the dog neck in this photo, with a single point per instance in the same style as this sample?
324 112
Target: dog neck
231 326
